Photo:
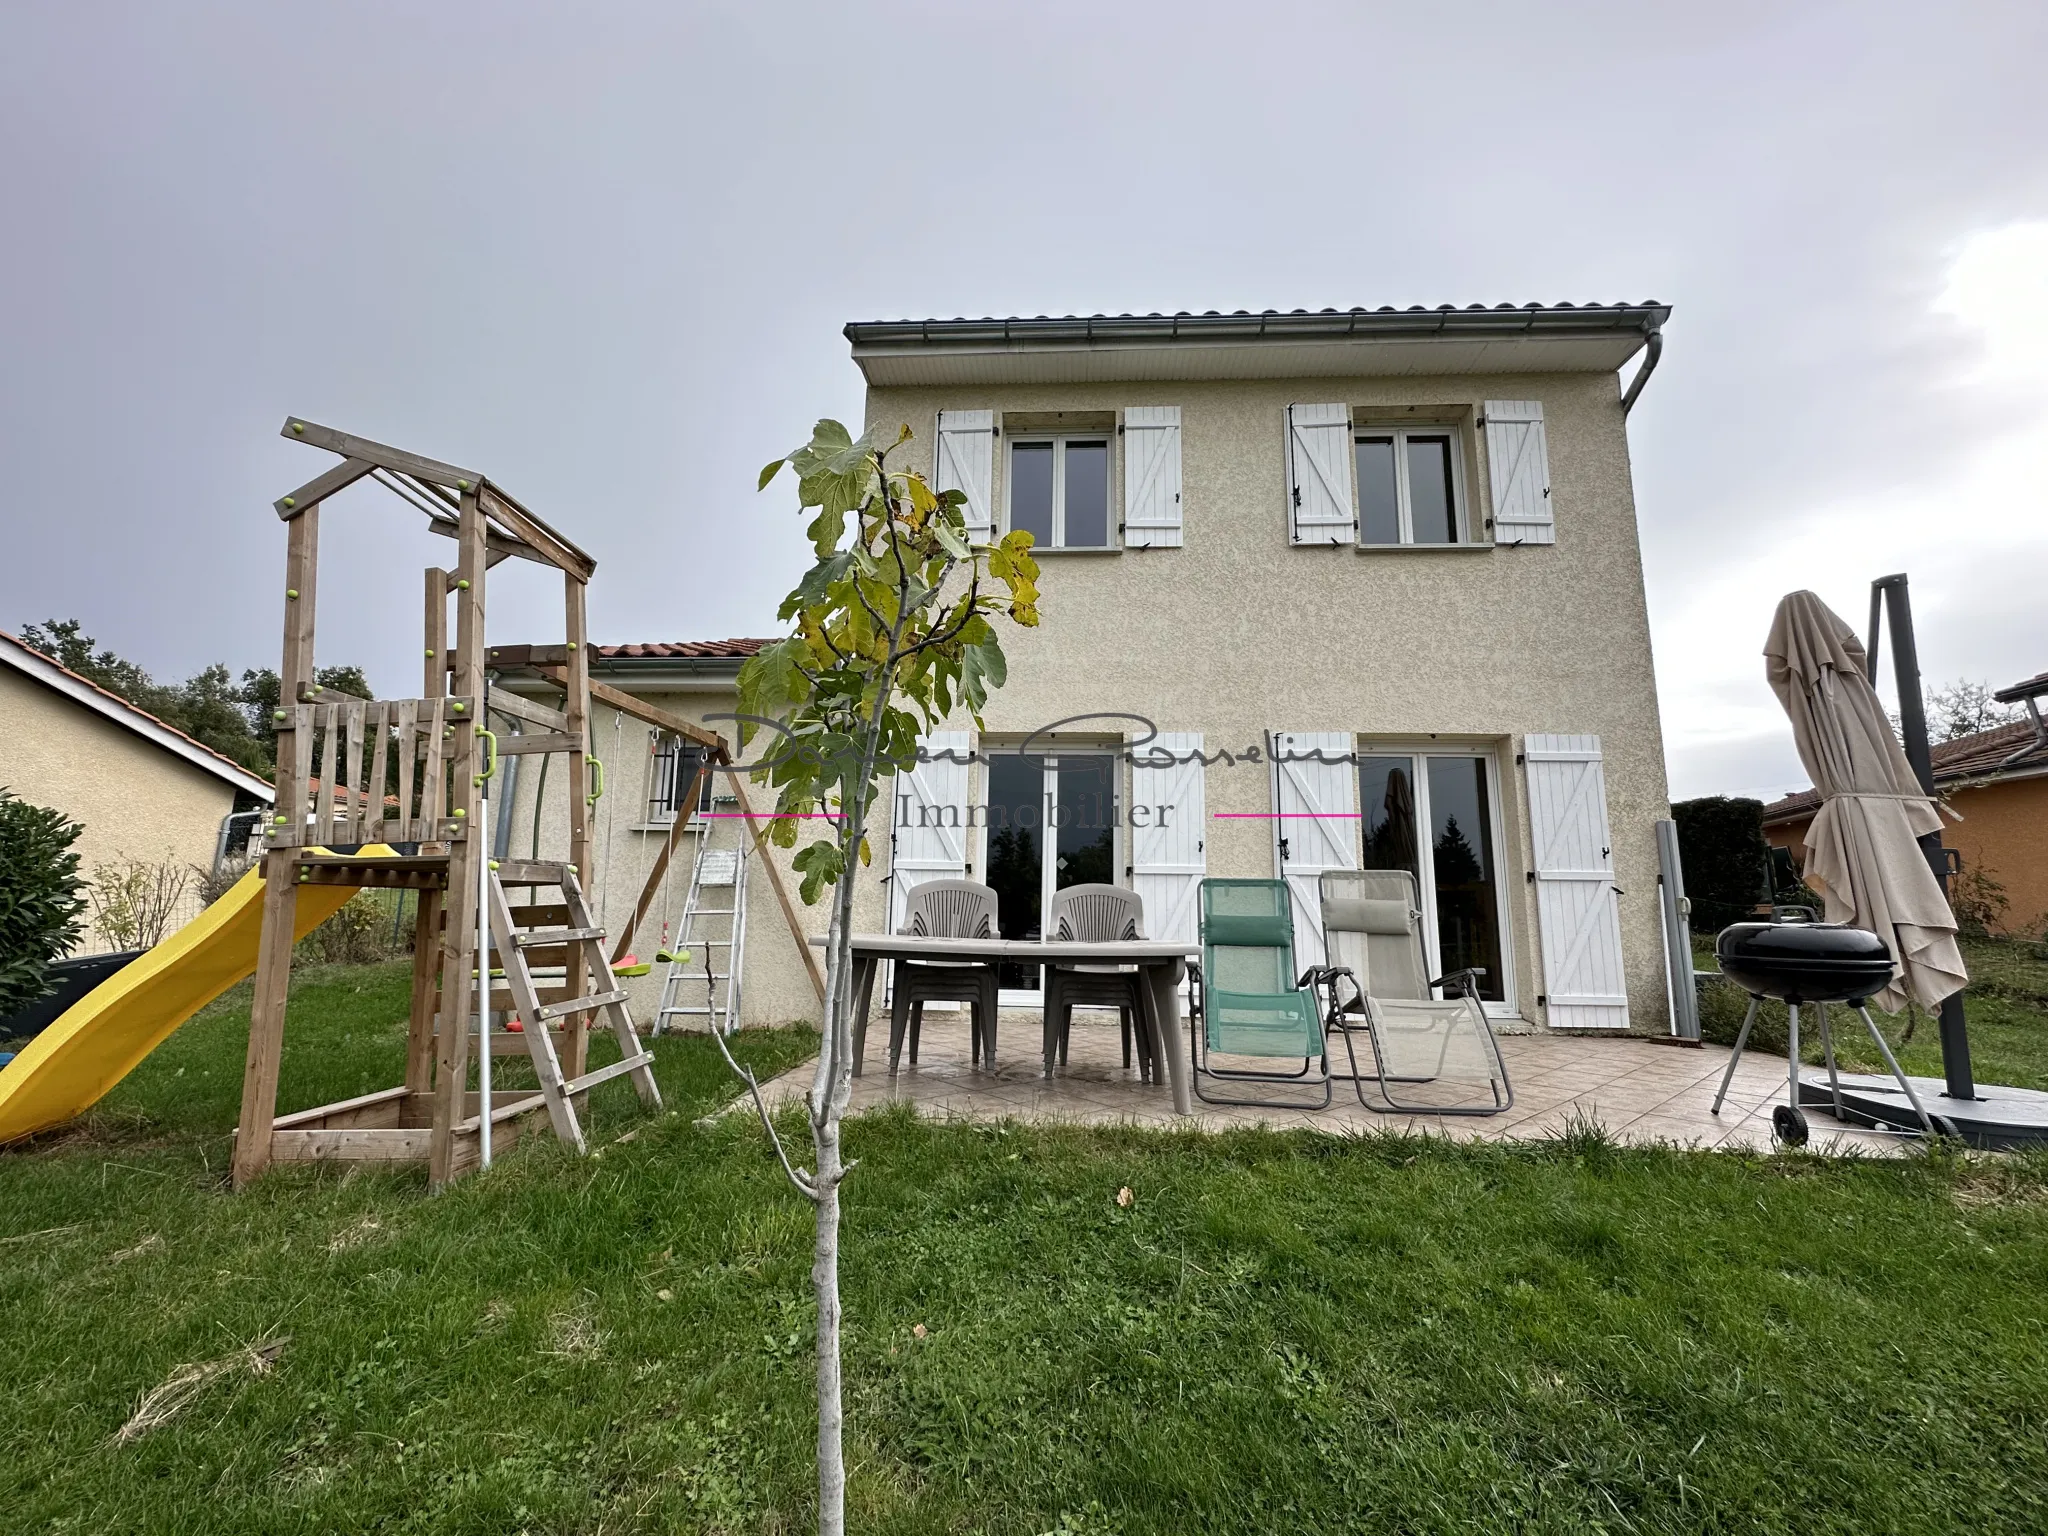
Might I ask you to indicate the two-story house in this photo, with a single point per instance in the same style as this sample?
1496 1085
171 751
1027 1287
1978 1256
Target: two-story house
1321 590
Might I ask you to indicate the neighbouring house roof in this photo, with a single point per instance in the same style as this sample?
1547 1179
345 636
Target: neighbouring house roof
1271 343
1967 760
2033 688
25 658
683 650
685 665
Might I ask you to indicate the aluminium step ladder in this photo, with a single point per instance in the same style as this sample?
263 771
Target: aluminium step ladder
538 936
713 929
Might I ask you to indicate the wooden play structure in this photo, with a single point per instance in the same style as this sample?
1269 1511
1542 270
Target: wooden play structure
390 793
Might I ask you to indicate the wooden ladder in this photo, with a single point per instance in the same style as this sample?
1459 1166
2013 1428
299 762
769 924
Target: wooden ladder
519 948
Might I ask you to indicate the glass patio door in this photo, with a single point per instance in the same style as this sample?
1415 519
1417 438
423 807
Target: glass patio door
1432 814
1051 823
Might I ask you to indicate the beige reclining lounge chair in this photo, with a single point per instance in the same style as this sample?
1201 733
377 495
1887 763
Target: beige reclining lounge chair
1430 1055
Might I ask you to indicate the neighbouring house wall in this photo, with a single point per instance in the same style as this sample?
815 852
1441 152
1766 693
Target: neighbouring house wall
777 988
134 799
2004 833
1238 633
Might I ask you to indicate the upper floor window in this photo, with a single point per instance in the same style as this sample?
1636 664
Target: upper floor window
1059 490
1409 485
1384 482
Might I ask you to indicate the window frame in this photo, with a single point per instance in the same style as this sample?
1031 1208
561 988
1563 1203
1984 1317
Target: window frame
1508 1005
1109 437
1404 507
662 769
1047 755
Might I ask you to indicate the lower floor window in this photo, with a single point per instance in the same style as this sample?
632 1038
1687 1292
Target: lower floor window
673 766
1433 815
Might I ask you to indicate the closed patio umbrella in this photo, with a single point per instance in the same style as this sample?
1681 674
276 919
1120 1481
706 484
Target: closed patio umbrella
1861 847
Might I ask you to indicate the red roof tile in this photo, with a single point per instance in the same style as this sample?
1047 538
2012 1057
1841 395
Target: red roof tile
685 650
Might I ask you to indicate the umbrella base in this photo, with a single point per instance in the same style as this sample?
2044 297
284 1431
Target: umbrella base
1997 1120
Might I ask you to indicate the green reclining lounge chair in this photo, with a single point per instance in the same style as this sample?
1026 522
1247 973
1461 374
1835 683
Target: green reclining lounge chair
1248 1000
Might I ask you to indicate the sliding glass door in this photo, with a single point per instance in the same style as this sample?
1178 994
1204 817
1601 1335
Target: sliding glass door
1052 822
1434 815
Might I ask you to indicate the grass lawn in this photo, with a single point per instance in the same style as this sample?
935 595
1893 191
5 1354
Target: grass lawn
1279 1332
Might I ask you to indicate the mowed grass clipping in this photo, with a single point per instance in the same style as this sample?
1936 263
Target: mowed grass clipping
1277 1333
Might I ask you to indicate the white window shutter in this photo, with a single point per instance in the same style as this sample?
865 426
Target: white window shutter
1577 906
1518 464
1167 860
1322 508
1315 826
928 819
965 460
1152 515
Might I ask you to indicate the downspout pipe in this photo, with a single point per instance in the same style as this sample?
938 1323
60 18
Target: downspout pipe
1653 348
2040 737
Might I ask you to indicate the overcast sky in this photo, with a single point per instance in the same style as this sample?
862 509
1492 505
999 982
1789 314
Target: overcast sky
604 252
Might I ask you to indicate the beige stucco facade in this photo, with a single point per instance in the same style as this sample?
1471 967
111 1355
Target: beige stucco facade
134 798
1237 634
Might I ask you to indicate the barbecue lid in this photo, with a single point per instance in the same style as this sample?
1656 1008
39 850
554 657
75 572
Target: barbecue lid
1804 962
1820 947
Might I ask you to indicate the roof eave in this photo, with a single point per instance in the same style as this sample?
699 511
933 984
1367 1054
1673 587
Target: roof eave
1592 338
33 663
1250 329
651 671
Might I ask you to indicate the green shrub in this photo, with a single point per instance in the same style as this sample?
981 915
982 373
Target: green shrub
1721 844
1979 902
1722 1006
41 898
1727 863
136 903
367 929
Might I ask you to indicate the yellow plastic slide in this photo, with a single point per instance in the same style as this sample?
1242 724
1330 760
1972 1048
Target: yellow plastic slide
98 1040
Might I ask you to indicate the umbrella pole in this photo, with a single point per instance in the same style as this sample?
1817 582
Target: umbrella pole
1898 606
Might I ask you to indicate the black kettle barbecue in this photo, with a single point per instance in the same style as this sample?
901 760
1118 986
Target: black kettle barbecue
1804 961
1800 961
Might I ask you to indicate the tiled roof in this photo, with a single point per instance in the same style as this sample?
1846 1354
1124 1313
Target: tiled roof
139 715
684 650
1967 757
1597 307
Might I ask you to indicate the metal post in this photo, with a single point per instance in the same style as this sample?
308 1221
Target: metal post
483 975
1685 1001
1955 1038
1792 1050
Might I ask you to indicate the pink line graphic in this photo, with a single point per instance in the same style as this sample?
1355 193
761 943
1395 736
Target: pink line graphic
1285 815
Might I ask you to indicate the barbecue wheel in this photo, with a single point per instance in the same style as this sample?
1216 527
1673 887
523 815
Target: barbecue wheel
1789 1125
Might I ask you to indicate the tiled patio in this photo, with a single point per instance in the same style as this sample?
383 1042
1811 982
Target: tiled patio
1640 1089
